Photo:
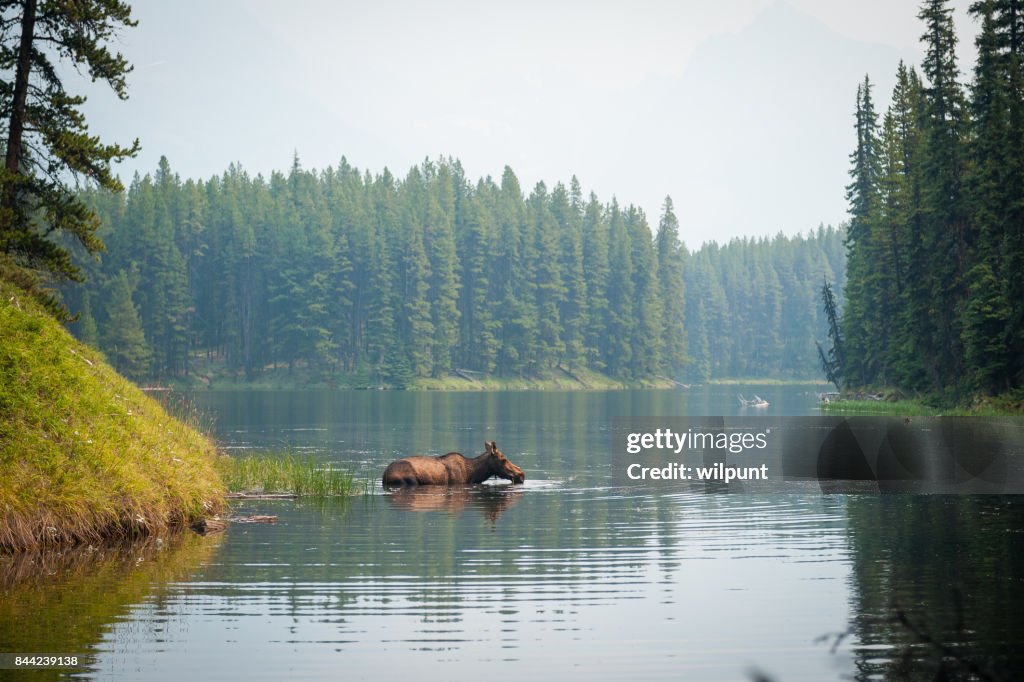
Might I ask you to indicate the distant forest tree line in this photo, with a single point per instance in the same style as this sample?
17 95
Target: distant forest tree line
935 288
391 279
752 306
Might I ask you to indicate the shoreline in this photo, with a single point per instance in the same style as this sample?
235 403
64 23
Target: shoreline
555 379
910 407
301 379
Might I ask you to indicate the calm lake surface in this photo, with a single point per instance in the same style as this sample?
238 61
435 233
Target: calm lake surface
566 577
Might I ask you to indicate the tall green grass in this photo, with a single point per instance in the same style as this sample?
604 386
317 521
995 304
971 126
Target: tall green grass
902 408
916 408
84 454
285 472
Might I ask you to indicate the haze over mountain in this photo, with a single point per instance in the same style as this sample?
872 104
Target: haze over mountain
742 111
762 124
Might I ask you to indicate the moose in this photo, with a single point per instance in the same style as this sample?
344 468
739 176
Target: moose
452 468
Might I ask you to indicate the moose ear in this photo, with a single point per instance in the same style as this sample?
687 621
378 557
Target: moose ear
487 447
494 445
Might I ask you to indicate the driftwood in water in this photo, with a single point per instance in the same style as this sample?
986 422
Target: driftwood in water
209 526
255 518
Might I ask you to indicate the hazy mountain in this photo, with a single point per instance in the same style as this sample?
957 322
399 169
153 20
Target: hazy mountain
761 125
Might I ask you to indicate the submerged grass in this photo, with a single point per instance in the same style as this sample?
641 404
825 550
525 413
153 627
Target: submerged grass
84 454
285 472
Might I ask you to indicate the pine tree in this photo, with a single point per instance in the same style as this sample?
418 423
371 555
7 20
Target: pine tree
863 195
567 209
619 330
168 338
85 329
514 283
352 231
766 315
671 292
444 285
987 313
886 280
415 328
648 307
386 361
247 280
549 291
288 277
905 221
123 340
48 145
1008 19
700 368
833 361
947 237
478 339
596 275
336 347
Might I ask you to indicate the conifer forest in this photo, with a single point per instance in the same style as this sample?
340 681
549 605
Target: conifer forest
934 295
388 279
385 279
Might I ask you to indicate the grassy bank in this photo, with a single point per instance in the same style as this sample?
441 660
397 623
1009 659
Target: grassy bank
285 473
902 408
547 380
85 455
212 373
1008 405
767 381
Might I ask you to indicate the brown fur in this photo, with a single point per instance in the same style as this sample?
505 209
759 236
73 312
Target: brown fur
452 469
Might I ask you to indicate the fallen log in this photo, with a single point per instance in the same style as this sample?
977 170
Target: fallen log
573 376
255 518
464 374
209 526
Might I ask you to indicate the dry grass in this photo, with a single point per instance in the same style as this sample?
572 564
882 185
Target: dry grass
84 454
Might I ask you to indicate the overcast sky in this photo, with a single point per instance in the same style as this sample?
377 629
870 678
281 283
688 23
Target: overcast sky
715 103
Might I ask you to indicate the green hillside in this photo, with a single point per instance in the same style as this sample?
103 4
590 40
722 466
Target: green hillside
85 455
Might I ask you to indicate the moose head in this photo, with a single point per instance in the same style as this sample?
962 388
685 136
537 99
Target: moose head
500 466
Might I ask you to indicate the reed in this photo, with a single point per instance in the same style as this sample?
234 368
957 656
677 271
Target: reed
285 472
993 407
902 408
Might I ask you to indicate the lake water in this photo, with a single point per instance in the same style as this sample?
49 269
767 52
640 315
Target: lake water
565 577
